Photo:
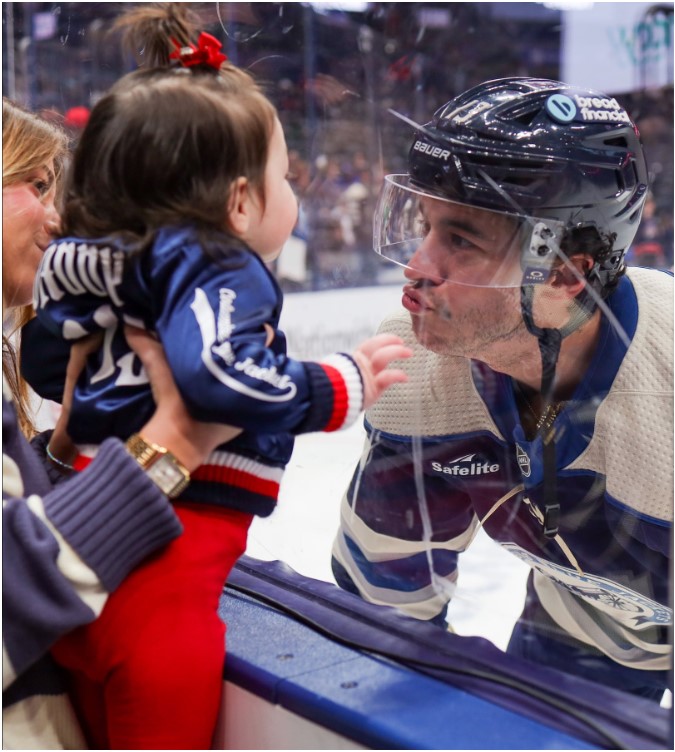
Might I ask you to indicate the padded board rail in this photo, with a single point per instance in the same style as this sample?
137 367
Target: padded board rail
312 667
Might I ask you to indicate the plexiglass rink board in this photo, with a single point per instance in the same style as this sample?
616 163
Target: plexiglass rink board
440 497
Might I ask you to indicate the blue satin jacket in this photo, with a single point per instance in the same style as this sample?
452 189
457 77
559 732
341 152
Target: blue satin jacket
215 311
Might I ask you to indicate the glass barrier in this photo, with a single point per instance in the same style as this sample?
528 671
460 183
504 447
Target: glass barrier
450 504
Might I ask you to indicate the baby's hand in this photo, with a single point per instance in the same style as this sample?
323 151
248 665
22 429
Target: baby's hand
372 357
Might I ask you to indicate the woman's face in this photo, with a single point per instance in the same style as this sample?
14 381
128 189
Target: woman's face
29 221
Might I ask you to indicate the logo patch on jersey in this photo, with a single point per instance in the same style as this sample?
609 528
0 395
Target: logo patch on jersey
523 461
465 458
626 606
466 465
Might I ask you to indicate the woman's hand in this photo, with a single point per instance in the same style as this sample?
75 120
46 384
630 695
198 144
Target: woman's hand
171 426
60 445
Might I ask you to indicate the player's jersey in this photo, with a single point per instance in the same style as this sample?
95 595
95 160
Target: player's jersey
446 452
215 312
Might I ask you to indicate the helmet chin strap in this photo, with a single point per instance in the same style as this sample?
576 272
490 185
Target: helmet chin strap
550 341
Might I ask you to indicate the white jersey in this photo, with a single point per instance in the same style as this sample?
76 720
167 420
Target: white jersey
446 451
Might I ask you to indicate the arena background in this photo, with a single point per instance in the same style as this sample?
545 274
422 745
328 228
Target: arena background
336 71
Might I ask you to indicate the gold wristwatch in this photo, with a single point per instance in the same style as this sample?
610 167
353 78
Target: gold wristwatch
159 465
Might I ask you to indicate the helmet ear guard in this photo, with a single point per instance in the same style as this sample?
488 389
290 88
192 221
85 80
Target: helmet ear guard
608 264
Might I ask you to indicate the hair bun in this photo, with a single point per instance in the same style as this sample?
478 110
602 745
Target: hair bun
148 32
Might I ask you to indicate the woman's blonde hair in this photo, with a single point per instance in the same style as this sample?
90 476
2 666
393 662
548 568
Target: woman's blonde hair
28 144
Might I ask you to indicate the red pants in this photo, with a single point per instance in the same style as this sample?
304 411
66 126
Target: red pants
148 673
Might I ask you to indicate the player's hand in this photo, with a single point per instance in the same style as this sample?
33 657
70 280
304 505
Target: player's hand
373 358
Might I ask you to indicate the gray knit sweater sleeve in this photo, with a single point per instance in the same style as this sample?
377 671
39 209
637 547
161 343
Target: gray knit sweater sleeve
66 547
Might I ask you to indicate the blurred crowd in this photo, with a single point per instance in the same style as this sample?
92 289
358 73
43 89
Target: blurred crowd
337 80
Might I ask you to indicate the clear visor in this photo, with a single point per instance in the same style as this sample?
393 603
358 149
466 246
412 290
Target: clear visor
447 240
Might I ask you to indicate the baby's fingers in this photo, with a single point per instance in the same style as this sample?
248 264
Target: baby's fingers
370 346
383 356
388 377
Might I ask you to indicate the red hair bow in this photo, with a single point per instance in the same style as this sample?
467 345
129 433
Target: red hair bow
206 52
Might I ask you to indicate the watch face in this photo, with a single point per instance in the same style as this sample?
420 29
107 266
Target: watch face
167 475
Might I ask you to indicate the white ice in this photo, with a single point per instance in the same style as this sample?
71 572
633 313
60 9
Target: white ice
491 587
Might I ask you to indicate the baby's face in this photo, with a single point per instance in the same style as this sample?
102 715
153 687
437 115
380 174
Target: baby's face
273 225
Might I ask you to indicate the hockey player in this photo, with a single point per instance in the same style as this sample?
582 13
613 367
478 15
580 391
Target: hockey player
539 400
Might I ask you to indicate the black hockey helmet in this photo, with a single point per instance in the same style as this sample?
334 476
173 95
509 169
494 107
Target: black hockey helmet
543 149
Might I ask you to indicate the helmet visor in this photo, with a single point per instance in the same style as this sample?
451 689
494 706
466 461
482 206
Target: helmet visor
463 244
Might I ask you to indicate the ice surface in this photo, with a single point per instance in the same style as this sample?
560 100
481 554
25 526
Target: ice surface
491 587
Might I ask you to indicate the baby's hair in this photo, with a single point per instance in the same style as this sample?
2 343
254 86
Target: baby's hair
167 143
148 32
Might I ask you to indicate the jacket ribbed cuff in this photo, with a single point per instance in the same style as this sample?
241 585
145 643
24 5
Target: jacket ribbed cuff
336 394
348 397
112 514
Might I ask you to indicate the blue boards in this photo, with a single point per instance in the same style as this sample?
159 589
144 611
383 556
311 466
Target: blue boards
386 681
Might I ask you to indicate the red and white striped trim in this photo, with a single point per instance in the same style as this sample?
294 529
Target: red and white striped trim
85 454
242 472
347 388
223 468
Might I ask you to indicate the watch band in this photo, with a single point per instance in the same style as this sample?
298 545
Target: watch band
144 452
160 465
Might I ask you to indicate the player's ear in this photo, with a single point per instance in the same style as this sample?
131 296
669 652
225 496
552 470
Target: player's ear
570 276
239 207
